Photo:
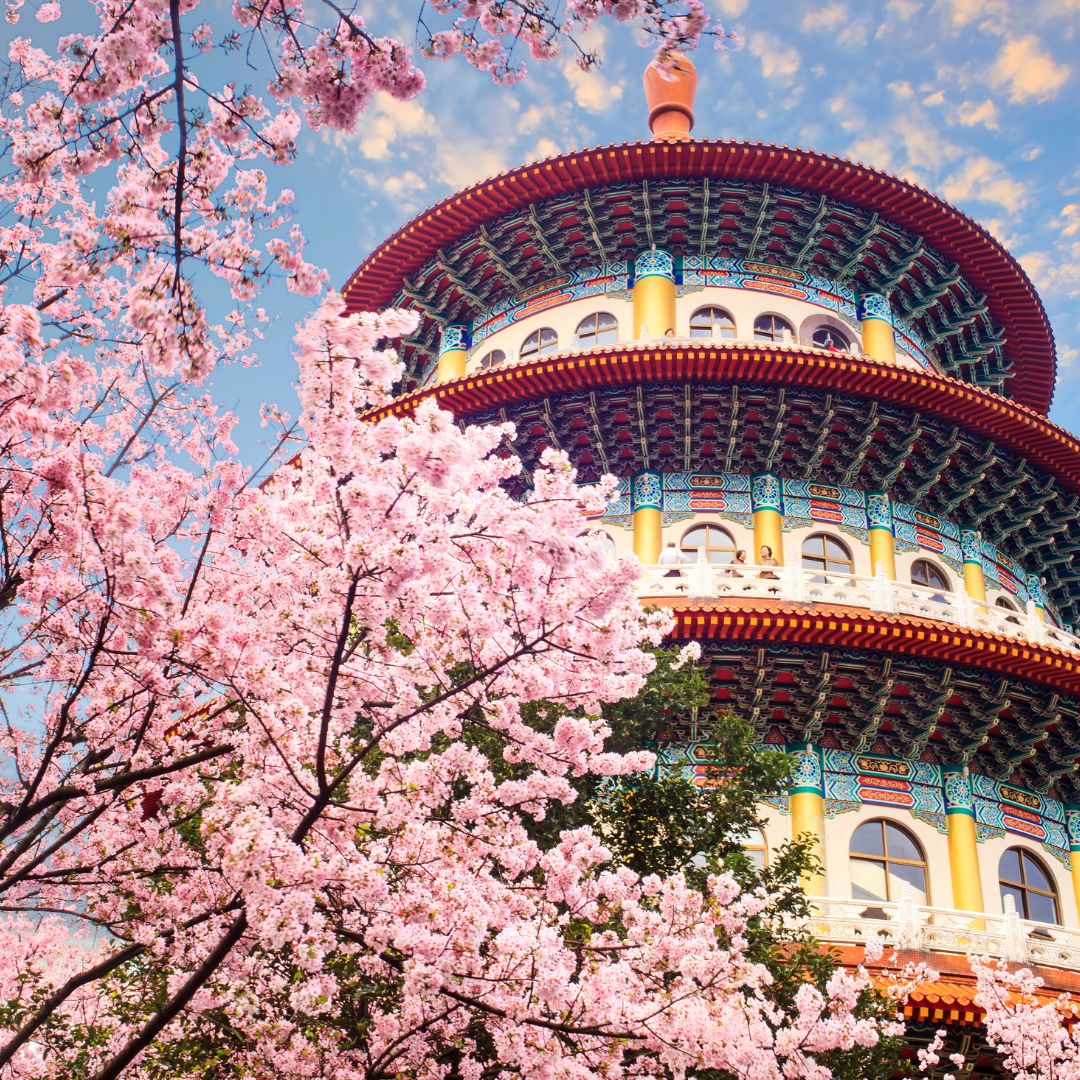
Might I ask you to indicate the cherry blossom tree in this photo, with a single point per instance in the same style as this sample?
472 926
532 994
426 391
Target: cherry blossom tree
1036 1039
274 754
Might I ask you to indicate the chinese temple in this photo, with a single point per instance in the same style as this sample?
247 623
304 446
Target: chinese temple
825 393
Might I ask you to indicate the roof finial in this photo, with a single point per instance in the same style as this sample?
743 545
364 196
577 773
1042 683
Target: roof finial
670 90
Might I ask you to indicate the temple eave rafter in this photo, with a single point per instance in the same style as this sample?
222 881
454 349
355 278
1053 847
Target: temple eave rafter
790 207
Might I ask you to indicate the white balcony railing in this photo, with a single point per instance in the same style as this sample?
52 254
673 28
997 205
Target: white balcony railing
711 581
905 924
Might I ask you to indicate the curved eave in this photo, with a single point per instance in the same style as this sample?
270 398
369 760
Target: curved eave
1013 302
950 998
1021 430
834 626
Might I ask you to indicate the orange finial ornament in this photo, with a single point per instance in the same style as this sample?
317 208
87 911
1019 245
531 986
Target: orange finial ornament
670 94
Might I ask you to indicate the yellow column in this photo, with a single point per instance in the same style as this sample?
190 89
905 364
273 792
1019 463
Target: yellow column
963 840
974 580
807 798
765 501
647 508
453 349
654 295
879 521
1072 827
875 319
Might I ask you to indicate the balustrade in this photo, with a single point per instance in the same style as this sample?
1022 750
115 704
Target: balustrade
713 581
905 924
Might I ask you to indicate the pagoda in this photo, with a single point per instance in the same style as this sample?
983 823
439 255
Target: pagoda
825 393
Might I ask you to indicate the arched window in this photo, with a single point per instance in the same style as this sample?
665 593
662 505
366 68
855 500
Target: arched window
492 359
1024 877
756 849
712 322
772 328
718 544
884 857
826 337
600 328
930 576
539 343
825 554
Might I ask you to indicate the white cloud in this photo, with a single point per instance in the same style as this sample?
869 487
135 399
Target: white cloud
406 189
959 13
972 113
903 9
855 34
925 146
902 89
463 162
830 17
387 121
545 148
533 118
1027 71
778 61
732 8
876 150
936 98
1055 273
593 91
981 179
1069 219
1031 153
1002 230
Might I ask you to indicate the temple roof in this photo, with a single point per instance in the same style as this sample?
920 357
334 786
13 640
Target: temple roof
952 449
945 274
898 685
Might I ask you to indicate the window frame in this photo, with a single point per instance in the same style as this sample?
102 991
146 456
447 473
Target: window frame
843 341
706 525
597 329
1023 888
711 329
757 842
825 570
486 361
885 859
947 585
772 339
541 349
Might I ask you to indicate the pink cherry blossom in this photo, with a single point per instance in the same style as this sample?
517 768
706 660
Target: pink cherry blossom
243 778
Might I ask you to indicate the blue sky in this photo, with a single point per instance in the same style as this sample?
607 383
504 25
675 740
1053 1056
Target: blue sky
975 99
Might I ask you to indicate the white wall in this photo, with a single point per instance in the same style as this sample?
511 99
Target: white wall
743 304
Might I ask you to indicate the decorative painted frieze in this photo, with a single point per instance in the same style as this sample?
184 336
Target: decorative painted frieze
646 491
765 493
654 264
879 513
455 336
871 305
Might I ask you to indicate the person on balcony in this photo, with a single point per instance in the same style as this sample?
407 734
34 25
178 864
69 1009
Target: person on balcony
767 559
671 556
732 568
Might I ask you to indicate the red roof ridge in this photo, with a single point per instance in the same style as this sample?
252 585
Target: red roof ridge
1031 334
838 625
1015 425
